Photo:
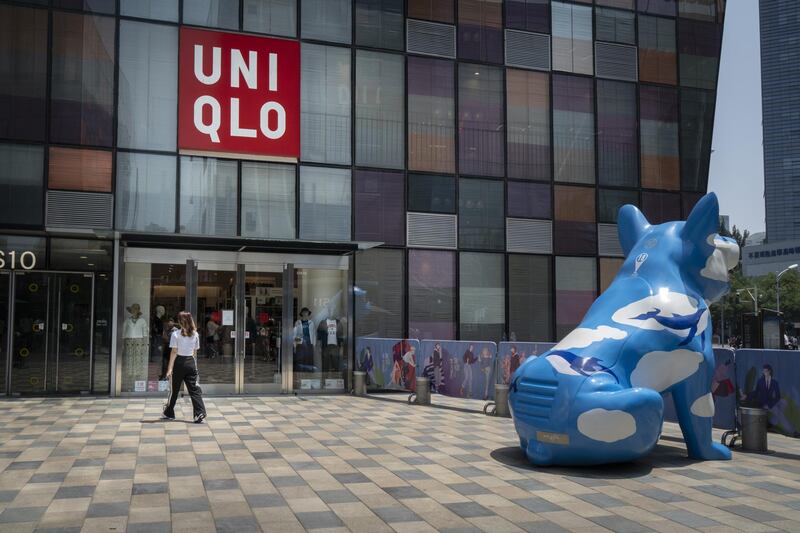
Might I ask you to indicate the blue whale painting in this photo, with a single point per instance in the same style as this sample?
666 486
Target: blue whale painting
596 396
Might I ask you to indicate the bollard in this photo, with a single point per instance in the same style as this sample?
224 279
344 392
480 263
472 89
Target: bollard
501 400
359 383
423 391
754 428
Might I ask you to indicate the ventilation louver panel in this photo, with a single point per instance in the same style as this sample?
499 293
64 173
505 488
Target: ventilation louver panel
431 230
430 38
527 50
68 209
616 61
529 236
608 241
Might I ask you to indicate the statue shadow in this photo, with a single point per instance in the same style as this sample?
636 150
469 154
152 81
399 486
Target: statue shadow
661 457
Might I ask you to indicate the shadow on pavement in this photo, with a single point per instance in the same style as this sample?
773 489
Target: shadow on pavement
661 456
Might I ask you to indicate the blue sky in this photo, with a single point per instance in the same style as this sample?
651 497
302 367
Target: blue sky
737 160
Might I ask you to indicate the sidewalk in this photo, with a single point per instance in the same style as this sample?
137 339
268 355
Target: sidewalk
340 463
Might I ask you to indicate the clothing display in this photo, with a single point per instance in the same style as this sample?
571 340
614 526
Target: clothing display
136 351
305 337
331 338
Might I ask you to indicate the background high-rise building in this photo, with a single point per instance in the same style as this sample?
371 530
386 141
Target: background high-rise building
460 169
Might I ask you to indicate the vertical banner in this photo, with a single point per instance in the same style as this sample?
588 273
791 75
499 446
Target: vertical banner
510 355
461 369
239 95
770 379
723 391
388 363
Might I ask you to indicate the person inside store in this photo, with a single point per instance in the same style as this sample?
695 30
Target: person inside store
169 327
182 368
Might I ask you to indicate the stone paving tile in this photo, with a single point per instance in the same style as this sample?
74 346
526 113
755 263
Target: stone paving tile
338 463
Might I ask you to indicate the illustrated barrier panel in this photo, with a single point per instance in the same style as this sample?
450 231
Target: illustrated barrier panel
389 363
510 355
770 379
723 391
461 369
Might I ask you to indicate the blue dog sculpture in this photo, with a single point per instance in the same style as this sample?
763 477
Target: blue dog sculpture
596 396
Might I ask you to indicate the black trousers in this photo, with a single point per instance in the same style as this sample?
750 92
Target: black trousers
185 371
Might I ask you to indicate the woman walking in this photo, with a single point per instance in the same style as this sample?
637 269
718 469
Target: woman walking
182 368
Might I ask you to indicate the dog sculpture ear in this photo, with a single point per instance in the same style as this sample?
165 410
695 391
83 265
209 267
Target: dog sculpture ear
631 225
703 220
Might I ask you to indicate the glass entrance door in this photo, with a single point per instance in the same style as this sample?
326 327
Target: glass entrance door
261 361
217 323
52 333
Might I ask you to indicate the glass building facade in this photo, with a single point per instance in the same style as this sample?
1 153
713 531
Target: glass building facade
461 167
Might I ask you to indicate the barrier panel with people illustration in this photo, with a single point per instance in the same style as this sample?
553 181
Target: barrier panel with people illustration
460 369
770 379
510 355
388 363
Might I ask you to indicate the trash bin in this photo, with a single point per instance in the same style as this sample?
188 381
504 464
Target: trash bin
359 383
754 428
423 391
501 400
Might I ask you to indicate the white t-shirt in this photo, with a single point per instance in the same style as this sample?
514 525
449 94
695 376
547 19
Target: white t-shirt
332 330
185 345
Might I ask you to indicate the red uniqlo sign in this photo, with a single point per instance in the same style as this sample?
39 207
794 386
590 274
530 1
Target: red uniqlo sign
239 95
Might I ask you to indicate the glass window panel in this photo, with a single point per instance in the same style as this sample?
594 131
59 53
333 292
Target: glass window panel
576 289
380 110
23 72
481 220
276 17
528 15
572 38
208 196
326 20
380 298
480 30
324 204
622 4
431 194
21 184
380 210
609 266
657 7
661 207
573 129
611 200
615 26
268 200
212 13
528 119
658 108
480 120
82 90
699 45
145 192
658 60
103 319
79 170
379 23
148 86
81 254
99 6
150 9
437 10
617 134
431 115
530 302
697 123
20 244
482 296
528 200
431 294
574 228
698 9
325 104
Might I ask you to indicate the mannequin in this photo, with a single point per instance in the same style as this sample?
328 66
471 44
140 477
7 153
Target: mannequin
305 338
331 338
156 332
134 338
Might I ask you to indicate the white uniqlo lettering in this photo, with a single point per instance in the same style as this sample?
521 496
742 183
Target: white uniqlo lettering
237 131
278 132
249 70
216 65
273 72
212 128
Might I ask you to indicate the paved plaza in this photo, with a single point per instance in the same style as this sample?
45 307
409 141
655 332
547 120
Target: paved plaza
340 463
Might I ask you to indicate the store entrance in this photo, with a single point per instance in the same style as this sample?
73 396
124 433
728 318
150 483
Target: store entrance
51 334
267 325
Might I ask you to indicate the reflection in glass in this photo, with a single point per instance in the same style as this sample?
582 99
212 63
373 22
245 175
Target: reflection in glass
324 204
431 294
480 30
268 200
150 9
263 324
275 17
379 293
378 204
208 196
480 120
528 122
145 192
379 23
481 224
216 321
21 184
530 316
482 296
576 289
79 169
212 13
431 115
573 129
326 20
